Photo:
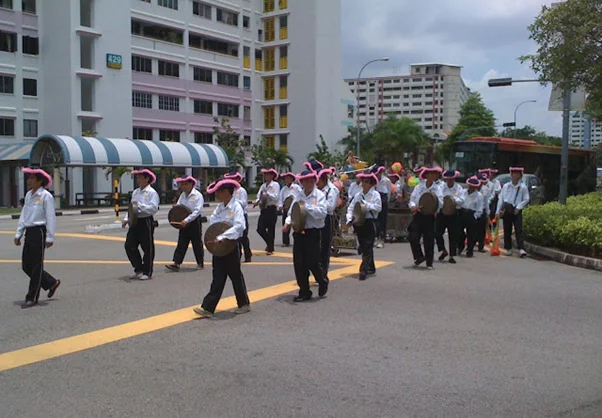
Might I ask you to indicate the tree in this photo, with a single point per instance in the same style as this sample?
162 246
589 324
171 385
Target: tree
327 158
528 132
230 141
394 137
366 143
475 116
569 54
267 156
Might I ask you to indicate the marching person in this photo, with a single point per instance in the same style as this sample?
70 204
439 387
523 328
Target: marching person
483 221
266 226
383 187
306 247
331 193
355 187
38 223
242 197
142 233
513 199
191 229
231 212
496 187
423 226
471 211
366 233
449 222
289 188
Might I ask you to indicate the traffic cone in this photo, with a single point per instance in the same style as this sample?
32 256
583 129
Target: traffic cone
495 248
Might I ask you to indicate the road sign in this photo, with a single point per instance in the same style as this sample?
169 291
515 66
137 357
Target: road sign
557 100
114 61
509 125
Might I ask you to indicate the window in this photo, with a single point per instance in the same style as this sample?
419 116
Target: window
29 6
30 128
30 87
203 107
203 137
270 141
8 41
284 142
143 133
283 4
269 118
268 6
247 113
270 31
201 10
159 32
270 59
140 99
7 84
269 88
247 83
6 4
169 69
283 57
227 17
141 64
349 111
146 1
283 116
224 109
247 141
170 4
169 103
226 79
204 75
212 45
169 136
246 22
7 127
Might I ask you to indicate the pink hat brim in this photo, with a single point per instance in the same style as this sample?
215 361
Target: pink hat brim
327 171
214 187
288 174
473 179
425 171
517 169
313 175
186 179
270 171
28 170
237 176
455 176
147 172
368 176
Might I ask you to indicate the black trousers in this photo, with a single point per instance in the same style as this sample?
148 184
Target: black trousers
32 262
366 234
243 242
452 224
306 259
493 207
266 227
423 226
192 233
510 219
482 224
224 267
326 244
468 230
286 236
381 229
141 234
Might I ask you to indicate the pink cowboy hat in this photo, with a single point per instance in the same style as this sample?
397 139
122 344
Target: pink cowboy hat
146 173
186 179
368 176
40 172
221 183
270 170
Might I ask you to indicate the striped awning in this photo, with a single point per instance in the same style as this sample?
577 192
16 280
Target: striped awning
80 151
15 152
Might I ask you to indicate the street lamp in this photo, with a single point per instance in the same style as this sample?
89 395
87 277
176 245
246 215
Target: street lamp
516 108
357 96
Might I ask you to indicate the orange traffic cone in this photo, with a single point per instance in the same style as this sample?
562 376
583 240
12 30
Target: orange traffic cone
488 233
495 248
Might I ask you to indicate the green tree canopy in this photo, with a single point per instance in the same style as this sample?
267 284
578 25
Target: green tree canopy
528 132
326 157
230 141
366 143
268 157
395 137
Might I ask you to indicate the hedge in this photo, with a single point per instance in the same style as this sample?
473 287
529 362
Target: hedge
575 228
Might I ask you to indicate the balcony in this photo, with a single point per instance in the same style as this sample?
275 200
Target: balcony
258 64
283 93
283 63
247 62
283 33
283 122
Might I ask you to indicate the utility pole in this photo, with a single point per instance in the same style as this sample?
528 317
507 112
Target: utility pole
564 153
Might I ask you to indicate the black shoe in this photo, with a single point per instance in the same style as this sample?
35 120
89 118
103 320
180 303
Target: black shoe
248 260
28 304
460 250
482 250
452 260
173 267
323 289
52 290
469 254
443 255
363 276
419 261
302 298
371 272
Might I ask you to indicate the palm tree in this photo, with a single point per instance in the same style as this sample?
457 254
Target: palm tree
395 137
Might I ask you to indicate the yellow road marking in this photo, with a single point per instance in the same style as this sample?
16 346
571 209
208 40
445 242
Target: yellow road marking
113 262
77 343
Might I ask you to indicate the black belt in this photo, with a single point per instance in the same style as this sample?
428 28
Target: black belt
36 226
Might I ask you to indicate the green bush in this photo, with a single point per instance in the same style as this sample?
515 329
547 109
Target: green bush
575 228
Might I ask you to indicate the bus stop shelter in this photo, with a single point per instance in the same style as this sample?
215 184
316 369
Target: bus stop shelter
12 158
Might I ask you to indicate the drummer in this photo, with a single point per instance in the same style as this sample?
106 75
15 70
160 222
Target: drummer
366 233
191 229
331 193
306 248
266 226
142 233
289 188
423 225
354 187
450 222
231 212
241 197
471 211
383 187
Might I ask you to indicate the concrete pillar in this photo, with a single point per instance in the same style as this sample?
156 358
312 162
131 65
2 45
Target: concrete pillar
56 181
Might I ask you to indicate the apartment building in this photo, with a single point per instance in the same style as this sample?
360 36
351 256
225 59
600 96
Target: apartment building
431 94
581 127
162 70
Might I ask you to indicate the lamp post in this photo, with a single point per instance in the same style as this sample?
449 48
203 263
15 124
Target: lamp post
516 108
357 110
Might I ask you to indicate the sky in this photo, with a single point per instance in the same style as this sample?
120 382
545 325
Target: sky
485 37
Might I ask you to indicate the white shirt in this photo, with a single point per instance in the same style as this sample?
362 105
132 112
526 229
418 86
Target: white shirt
315 207
487 192
354 188
517 196
456 191
384 185
473 201
174 185
148 202
194 201
422 189
331 193
272 190
233 214
372 201
497 186
38 210
286 191
241 197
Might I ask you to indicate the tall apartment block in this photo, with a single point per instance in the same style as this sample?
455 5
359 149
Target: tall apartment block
431 95
580 127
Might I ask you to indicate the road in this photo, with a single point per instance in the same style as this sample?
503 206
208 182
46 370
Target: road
487 337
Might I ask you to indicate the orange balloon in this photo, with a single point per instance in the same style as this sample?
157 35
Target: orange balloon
393 188
397 167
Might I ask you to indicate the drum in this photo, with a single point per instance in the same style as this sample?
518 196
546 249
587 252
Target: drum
449 206
263 200
298 216
133 214
359 213
222 248
428 203
286 205
177 214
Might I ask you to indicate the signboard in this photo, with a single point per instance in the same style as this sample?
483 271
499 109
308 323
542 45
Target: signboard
557 100
114 61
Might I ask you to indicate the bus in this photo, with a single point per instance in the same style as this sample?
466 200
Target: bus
541 160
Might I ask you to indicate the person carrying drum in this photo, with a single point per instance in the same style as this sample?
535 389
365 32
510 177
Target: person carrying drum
230 212
287 191
306 246
423 222
142 233
471 211
451 196
191 229
513 199
268 198
355 187
366 233
241 197
383 187
331 193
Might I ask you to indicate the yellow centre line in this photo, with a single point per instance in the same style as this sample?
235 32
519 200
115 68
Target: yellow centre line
77 343
113 262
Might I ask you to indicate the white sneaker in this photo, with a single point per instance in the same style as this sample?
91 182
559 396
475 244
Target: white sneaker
522 253
135 276
242 310
144 277
509 253
202 312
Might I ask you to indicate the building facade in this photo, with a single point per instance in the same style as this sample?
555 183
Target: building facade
431 95
581 127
